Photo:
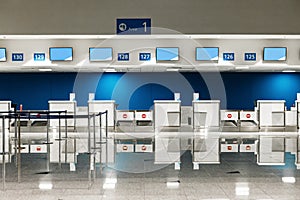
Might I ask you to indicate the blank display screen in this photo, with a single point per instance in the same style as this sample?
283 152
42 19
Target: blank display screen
61 53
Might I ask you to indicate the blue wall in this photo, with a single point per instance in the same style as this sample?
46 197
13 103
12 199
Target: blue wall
138 90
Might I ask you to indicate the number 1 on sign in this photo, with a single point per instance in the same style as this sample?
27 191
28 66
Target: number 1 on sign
145 26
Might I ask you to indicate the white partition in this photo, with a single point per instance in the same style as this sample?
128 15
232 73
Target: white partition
97 106
206 113
271 113
69 106
167 150
166 113
5 106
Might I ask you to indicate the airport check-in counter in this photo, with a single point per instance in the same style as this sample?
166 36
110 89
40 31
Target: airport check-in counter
5 106
248 121
271 115
271 119
69 106
206 114
229 120
96 106
143 117
68 148
167 113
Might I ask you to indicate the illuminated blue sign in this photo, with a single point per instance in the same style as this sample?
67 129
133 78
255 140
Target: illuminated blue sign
228 56
17 57
39 57
134 26
145 56
123 56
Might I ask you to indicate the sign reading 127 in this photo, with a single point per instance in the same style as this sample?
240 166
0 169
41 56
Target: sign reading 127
134 26
145 56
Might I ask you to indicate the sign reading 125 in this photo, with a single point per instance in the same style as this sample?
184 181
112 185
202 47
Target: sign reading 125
250 56
123 56
228 56
145 56
39 56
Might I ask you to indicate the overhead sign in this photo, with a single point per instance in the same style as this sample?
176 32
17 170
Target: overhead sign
228 56
250 56
123 56
145 56
39 56
134 26
17 57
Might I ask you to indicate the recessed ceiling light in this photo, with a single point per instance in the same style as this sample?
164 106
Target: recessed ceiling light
45 70
109 70
242 67
288 179
288 71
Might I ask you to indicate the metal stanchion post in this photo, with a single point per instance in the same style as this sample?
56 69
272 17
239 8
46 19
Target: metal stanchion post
95 149
100 125
66 137
3 151
48 144
59 140
106 136
19 149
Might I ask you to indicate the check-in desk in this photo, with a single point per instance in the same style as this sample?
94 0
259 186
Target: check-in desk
229 120
125 121
96 106
206 114
248 121
68 106
166 114
271 116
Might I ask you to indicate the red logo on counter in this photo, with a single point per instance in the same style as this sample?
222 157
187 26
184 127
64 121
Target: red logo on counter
124 116
248 115
248 147
229 148
144 115
229 115
125 148
38 148
144 148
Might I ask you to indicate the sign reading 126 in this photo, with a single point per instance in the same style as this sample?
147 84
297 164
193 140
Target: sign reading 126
228 56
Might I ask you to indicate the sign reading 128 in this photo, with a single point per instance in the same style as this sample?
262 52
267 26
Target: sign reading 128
123 56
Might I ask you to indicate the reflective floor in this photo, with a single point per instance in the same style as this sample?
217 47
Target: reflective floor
237 177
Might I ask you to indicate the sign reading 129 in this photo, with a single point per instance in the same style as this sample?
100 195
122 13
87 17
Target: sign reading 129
39 56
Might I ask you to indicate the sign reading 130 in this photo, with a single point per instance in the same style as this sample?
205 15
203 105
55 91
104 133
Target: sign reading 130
17 57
